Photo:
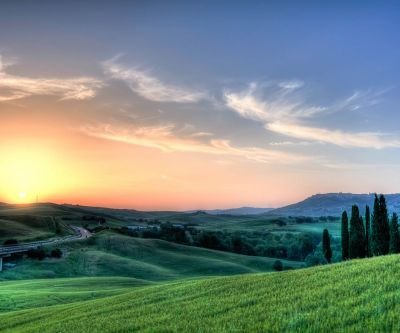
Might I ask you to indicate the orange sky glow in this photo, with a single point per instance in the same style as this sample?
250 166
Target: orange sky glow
157 106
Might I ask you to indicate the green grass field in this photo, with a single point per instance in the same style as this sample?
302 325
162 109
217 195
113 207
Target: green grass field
111 254
356 296
113 282
24 294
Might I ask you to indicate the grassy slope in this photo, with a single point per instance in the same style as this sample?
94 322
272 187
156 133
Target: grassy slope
357 296
18 295
28 222
23 231
148 259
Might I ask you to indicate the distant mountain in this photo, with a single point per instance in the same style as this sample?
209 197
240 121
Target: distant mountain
333 204
239 211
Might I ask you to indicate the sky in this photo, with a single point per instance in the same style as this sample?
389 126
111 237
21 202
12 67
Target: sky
177 105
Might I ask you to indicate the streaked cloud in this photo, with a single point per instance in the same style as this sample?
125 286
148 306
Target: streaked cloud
288 115
164 138
249 104
149 86
14 87
291 85
336 137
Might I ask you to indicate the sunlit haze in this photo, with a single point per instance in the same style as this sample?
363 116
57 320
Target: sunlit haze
155 105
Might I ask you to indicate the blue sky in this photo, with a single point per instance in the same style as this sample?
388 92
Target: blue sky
294 97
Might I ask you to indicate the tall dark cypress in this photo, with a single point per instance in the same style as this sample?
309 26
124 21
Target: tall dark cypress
345 236
357 235
376 247
384 224
326 245
367 232
394 243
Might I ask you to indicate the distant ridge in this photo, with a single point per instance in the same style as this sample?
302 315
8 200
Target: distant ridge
333 204
327 204
239 211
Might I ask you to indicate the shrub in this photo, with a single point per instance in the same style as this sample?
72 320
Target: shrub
39 254
11 242
278 266
56 253
313 260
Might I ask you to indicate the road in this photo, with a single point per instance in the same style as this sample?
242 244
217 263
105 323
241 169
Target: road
80 234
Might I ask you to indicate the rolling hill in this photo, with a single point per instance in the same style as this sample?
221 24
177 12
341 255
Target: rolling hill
18 295
239 211
112 254
327 204
355 296
333 204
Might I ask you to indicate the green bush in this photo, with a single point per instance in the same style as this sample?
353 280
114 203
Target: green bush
278 266
56 253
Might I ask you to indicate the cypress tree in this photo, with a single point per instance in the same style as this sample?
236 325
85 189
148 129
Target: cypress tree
375 232
345 236
357 234
326 246
394 244
385 224
380 227
367 232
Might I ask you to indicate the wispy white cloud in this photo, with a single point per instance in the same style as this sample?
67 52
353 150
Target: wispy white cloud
336 137
202 134
291 85
287 116
359 99
164 138
14 87
148 86
249 104
290 143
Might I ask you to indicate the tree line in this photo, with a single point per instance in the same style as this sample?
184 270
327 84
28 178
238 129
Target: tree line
377 236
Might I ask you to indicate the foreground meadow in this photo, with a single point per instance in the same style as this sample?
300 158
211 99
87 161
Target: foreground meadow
357 296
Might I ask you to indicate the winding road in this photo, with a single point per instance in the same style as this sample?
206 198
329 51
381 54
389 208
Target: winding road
80 234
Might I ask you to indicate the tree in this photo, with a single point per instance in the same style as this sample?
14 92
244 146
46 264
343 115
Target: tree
307 245
36 254
380 227
56 253
375 232
385 224
394 243
326 245
345 236
278 266
9 242
357 234
237 244
367 232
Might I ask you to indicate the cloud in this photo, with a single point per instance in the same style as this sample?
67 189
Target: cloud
290 143
164 139
249 104
148 86
14 87
287 116
291 85
336 137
